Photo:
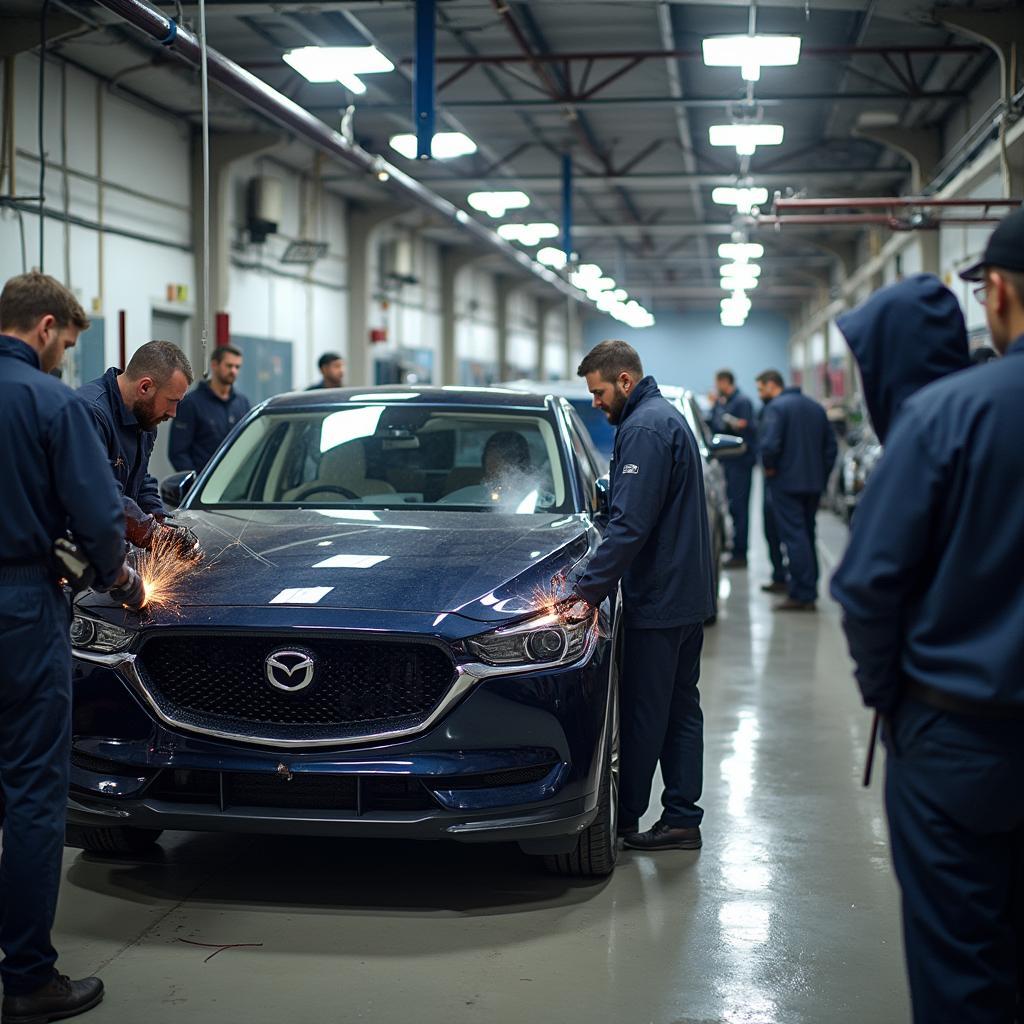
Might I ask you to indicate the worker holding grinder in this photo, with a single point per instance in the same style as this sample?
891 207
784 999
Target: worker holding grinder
56 482
127 406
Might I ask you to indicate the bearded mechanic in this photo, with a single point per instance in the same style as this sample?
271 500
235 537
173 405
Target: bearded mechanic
657 542
127 406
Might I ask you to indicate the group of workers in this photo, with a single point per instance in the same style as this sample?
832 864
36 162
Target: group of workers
931 589
797 448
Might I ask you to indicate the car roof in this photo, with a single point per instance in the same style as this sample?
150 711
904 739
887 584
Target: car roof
575 389
456 396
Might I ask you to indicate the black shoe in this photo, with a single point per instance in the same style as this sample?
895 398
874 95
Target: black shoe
664 837
791 604
775 587
629 829
735 563
58 999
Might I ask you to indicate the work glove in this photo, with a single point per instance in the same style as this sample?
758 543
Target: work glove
72 564
130 590
140 532
186 542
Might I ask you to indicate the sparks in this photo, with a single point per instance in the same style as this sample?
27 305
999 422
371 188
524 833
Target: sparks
164 571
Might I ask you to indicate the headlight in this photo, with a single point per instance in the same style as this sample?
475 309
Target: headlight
547 639
95 635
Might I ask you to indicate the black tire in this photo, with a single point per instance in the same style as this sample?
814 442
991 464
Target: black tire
597 848
113 839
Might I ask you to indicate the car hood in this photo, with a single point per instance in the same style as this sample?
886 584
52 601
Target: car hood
483 566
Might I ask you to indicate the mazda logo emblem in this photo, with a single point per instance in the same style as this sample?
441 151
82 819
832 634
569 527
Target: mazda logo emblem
290 671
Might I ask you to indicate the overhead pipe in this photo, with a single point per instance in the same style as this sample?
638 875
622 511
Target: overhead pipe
886 203
290 116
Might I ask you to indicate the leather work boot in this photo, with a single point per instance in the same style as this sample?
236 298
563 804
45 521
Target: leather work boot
58 999
664 837
775 587
791 604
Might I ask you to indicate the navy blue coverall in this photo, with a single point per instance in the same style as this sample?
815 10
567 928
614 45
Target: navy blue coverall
128 449
55 478
798 449
771 529
657 542
204 419
740 470
933 594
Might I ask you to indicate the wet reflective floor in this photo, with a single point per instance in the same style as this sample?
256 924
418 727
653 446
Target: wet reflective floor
787 916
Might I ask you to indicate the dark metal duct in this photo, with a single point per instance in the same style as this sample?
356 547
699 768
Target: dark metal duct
289 115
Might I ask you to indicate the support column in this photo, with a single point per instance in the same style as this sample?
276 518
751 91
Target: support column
931 253
573 337
360 227
507 287
225 149
544 308
452 261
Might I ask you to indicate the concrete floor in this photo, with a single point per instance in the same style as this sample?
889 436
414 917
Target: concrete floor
787 916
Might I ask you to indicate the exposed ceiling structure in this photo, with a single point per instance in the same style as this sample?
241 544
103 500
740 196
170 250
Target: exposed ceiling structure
622 88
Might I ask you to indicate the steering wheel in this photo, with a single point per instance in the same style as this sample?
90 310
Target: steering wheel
315 488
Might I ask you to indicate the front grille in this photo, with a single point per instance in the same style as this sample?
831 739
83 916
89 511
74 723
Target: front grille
359 687
357 794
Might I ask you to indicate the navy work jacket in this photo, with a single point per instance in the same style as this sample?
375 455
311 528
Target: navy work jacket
204 419
55 476
128 446
738 405
798 443
657 540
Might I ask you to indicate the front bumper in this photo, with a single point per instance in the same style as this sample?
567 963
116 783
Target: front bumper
544 731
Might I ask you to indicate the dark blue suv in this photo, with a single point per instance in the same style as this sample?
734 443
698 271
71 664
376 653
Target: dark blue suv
371 645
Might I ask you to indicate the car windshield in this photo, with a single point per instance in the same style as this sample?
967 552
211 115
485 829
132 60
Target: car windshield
385 456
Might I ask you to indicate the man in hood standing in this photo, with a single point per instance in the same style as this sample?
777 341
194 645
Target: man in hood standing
933 596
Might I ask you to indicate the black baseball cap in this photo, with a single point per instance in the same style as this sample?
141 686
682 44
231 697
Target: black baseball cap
1005 248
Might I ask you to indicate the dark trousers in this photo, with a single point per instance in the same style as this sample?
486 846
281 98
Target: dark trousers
661 720
956 820
795 520
771 535
35 739
737 487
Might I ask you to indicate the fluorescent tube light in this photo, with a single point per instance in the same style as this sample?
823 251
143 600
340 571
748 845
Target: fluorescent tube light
739 270
552 257
445 145
751 53
745 138
338 64
741 252
497 204
744 199
528 234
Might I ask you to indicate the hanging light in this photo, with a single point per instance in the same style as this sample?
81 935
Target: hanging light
751 53
528 234
741 252
745 138
744 199
338 64
552 257
445 145
497 204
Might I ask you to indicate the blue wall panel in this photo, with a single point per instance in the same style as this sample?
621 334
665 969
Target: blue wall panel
687 349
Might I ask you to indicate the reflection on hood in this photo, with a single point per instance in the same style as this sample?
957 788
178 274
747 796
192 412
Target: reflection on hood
904 337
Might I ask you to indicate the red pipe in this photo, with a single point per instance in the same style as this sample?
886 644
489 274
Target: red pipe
887 202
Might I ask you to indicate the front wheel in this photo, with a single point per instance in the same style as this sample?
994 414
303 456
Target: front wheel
597 848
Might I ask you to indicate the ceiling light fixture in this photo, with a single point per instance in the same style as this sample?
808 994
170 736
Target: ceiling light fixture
745 138
445 145
739 270
528 234
741 252
552 257
338 64
751 53
744 199
497 204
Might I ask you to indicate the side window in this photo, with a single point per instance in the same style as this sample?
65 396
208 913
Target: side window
702 431
585 466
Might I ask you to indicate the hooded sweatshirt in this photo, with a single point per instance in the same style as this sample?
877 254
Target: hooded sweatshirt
904 337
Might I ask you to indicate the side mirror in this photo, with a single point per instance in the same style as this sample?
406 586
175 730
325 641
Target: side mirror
726 446
603 485
173 488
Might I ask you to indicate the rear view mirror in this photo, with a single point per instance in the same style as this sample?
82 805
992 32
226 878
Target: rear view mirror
173 488
727 446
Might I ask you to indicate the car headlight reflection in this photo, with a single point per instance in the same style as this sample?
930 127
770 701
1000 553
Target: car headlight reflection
89 634
548 639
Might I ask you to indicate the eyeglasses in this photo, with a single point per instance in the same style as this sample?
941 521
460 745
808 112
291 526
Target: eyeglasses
981 292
